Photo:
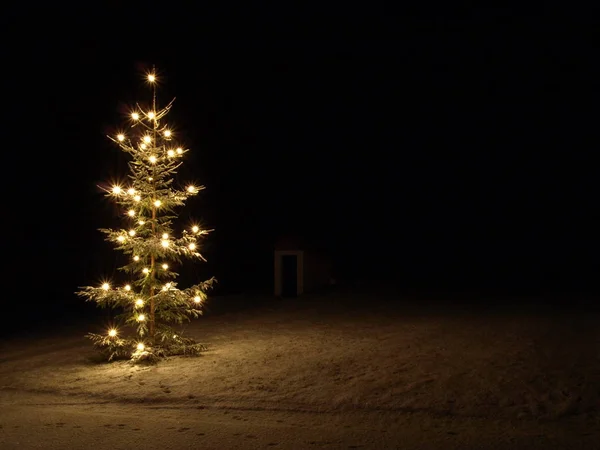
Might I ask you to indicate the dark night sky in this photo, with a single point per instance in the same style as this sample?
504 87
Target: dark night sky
456 147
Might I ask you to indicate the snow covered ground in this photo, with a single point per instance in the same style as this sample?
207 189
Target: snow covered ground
330 371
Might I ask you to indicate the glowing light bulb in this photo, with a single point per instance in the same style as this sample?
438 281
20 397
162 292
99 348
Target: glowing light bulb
121 239
170 153
127 287
106 286
135 116
165 244
141 222
131 213
137 198
195 229
139 303
131 191
147 139
152 159
165 266
136 258
192 246
191 189
141 317
151 78
165 288
197 299
116 190
167 133
132 233
150 178
157 203
143 146
146 270
165 236
151 115
179 150
112 333
121 137
141 347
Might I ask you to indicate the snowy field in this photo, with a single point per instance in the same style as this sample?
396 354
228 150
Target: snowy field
329 371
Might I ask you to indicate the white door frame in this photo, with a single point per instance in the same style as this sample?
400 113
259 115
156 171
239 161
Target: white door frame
299 270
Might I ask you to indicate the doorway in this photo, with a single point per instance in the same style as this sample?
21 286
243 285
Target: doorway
289 275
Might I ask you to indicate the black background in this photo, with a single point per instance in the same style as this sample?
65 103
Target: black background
453 150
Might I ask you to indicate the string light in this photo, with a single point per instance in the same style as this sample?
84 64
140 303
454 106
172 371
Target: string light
147 148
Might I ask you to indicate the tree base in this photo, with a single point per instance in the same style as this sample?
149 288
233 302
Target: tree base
113 348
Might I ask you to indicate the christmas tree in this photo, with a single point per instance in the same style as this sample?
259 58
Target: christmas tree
149 302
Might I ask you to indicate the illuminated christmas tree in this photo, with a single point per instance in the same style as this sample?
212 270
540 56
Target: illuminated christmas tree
148 302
